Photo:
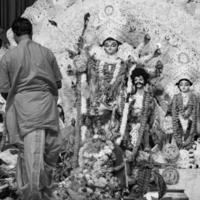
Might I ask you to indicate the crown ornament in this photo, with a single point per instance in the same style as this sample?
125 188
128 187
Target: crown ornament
185 72
112 30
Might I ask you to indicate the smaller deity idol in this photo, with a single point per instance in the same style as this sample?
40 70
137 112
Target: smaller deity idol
141 110
184 114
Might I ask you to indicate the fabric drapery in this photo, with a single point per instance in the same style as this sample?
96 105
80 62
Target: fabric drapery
11 9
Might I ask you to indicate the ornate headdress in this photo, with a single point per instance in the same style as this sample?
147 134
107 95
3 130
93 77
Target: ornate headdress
185 73
112 30
110 23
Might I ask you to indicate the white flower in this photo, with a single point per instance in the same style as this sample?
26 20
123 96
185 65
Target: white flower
101 182
167 125
158 46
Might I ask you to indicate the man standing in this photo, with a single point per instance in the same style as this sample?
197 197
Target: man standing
30 79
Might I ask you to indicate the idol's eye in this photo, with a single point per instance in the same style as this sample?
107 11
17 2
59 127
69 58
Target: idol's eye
187 84
106 45
114 44
184 83
181 84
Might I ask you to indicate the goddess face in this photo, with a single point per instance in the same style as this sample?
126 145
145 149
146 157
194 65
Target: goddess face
184 86
111 46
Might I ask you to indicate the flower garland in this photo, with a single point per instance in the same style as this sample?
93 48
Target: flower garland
178 108
116 71
91 150
126 106
83 98
93 179
144 116
185 111
124 121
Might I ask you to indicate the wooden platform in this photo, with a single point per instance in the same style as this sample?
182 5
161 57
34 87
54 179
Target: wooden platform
175 195
189 182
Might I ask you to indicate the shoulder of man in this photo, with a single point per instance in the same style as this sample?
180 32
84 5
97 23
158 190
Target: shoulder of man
39 45
46 51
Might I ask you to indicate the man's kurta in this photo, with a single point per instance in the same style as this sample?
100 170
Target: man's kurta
28 73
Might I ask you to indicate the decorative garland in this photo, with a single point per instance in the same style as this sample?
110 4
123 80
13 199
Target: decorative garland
144 117
102 72
126 106
182 109
124 119
116 71
83 98
178 108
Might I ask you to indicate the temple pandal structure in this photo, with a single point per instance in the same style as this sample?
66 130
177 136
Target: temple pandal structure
130 96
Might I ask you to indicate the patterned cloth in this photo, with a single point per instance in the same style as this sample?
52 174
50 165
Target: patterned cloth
36 163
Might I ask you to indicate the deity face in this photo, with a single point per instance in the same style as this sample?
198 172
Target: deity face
184 86
110 46
139 82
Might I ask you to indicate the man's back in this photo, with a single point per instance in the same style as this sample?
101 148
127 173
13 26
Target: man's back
31 67
29 73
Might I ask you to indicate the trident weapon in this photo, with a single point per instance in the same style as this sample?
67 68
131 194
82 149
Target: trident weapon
80 45
72 54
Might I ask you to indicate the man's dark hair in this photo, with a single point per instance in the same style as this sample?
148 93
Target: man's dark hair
1 42
22 26
138 71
